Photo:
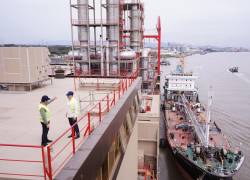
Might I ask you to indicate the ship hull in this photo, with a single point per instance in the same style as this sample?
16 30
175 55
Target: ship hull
192 169
197 143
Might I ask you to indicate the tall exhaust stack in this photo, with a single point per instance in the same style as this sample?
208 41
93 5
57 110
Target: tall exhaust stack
113 32
83 31
135 25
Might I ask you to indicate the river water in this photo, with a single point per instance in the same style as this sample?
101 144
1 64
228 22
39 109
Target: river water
231 96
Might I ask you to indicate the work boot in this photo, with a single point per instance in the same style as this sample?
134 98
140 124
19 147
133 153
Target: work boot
44 144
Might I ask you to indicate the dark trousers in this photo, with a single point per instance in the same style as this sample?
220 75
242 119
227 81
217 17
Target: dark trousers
44 134
72 121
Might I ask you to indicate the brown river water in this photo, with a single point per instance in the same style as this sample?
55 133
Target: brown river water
231 102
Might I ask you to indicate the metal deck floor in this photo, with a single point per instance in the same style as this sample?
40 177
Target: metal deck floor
169 169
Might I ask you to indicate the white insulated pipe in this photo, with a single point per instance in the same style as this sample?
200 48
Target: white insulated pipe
83 30
113 31
107 58
135 37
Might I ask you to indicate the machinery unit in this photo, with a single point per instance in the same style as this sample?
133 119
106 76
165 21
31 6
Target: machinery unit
23 65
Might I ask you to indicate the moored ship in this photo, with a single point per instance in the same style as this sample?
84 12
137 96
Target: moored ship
165 63
234 69
195 139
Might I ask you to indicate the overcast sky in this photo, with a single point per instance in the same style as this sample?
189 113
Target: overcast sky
198 22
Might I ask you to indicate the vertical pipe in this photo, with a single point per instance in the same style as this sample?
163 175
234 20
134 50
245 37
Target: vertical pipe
107 57
49 163
102 62
113 32
72 42
44 166
120 27
83 31
94 26
135 26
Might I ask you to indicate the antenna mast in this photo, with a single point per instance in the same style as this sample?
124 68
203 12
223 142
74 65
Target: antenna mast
208 115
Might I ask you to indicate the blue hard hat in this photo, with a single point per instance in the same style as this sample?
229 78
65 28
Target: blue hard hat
45 98
70 93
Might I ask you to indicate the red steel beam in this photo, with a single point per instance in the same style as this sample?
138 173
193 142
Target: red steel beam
151 37
158 38
159 44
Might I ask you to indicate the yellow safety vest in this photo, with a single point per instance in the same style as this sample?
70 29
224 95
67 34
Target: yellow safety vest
47 113
72 106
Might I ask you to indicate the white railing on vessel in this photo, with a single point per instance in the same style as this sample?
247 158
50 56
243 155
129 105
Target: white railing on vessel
197 126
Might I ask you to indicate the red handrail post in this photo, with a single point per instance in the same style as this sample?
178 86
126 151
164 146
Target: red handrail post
49 163
73 139
119 89
89 122
126 84
145 174
44 165
100 111
114 97
108 103
122 87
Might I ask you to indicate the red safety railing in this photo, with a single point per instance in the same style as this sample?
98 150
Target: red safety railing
96 72
54 156
21 159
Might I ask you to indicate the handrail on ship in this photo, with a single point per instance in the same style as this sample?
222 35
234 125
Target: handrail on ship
198 129
48 171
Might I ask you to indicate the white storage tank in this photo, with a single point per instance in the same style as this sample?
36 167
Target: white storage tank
128 54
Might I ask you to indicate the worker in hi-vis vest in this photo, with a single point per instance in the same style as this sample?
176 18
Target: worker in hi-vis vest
72 113
45 118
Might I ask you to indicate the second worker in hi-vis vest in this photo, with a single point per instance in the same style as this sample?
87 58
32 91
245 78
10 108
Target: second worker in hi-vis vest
72 113
45 116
